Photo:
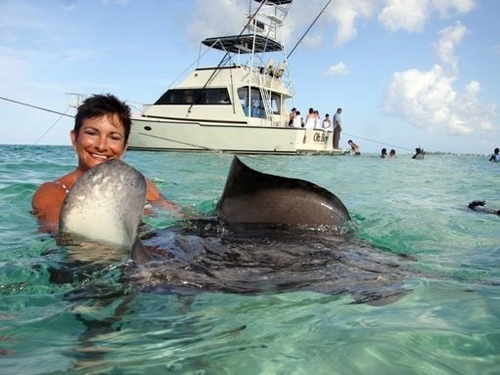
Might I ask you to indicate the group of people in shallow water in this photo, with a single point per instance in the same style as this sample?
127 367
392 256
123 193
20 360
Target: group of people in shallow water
419 152
313 121
383 153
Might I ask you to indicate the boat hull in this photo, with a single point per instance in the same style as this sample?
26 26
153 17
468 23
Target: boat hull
240 138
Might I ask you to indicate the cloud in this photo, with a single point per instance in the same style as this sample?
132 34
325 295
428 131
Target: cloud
446 7
339 69
428 99
408 15
412 15
206 19
345 18
345 14
315 40
451 36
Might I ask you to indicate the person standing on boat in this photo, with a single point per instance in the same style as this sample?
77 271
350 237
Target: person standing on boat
317 122
309 114
337 128
291 116
311 119
101 131
327 124
297 120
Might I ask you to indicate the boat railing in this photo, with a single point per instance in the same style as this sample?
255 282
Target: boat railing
266 99
76 99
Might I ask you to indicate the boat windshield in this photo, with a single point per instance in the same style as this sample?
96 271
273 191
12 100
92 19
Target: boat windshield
195 96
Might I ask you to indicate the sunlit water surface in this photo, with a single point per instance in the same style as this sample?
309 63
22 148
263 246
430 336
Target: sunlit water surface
448 324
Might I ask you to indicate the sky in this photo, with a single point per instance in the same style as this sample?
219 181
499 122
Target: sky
407 73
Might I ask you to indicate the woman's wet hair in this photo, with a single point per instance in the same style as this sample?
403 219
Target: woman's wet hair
100 105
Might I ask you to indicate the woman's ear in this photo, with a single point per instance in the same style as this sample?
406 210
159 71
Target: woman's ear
124 150
72 136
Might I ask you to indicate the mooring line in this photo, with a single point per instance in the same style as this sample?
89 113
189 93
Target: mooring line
36 107
50 128
61 114
380 143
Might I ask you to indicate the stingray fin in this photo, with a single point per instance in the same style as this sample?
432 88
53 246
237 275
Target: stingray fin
251 196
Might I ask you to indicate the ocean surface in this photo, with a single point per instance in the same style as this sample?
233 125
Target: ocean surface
447 323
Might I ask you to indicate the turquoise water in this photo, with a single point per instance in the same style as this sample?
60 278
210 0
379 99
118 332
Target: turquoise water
448 324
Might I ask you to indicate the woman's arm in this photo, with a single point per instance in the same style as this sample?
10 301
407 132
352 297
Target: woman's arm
47 202
157 199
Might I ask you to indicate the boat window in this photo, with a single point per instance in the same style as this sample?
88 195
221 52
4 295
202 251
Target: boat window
276 103
255 106
195 96
243 94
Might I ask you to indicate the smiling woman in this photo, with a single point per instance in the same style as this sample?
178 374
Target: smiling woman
102 127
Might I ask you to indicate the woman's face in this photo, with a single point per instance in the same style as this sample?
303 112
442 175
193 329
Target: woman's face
99 139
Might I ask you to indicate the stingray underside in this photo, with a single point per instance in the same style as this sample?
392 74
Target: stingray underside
100 216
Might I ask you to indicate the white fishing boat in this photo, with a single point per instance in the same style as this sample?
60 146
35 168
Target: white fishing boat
238 106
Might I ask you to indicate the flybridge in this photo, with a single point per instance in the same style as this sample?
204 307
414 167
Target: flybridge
261 34
247 43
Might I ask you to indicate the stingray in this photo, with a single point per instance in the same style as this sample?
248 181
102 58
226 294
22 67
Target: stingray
268 234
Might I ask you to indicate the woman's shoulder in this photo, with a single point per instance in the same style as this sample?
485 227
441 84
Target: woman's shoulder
47 202
51 187
54 190
48 192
